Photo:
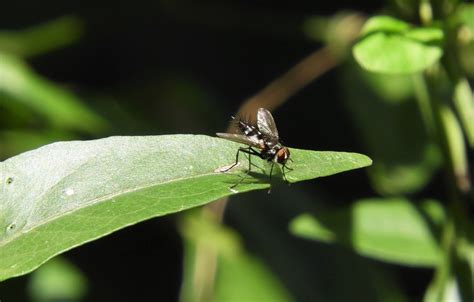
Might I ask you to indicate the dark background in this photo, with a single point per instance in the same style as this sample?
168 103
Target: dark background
161 67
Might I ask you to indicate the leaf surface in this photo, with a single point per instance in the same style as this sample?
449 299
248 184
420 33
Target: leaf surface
65 194
392 46
392 230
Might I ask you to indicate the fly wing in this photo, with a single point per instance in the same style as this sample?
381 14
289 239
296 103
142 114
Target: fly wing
252 141
266 124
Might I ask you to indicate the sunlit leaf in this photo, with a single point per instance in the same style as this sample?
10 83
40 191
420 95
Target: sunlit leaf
391 46
65 194
384 23
392 230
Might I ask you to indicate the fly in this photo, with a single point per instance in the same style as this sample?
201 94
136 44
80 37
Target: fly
262 140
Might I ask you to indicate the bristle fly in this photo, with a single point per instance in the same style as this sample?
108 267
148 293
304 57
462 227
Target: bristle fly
263 136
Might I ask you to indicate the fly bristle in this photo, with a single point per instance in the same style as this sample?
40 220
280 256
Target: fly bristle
242 124
245 119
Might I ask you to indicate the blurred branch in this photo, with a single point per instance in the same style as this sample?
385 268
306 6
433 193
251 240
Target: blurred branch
295 79
205 265
271 97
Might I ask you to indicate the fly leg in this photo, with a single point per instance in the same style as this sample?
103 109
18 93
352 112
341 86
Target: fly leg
237 159
283 171
271 172
250 152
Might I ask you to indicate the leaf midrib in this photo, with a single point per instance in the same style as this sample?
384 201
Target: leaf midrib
100 200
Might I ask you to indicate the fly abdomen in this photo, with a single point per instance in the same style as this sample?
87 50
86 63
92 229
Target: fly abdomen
248 129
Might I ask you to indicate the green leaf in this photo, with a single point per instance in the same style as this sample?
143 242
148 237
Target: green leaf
425 34
384 23
392 230
57 280
41 38
392 46
240 275
464 102
246 278
57 105
456 148
466 15
65 194
405 158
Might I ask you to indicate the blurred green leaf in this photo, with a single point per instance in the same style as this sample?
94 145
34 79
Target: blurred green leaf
41 38
203 228
394 89
465 37
392 230
453 279
65 194
57 105
464 102
425 34
240 276
384 23
392 46
447 290
466 15
456 147
388 122
245 278
57 280
268 236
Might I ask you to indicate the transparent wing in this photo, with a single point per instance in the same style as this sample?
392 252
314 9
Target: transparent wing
252 141
266 124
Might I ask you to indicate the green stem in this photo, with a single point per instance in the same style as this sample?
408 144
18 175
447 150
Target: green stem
450 275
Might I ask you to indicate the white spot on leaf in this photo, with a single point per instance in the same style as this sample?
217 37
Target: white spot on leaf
69 192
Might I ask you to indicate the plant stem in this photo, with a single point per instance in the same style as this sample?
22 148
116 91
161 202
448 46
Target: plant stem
450 277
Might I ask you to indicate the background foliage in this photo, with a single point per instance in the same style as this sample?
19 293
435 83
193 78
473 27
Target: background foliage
399 89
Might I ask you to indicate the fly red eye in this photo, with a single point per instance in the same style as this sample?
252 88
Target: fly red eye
282 155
